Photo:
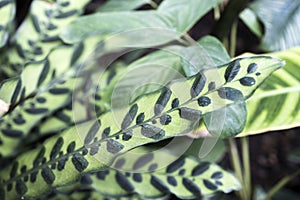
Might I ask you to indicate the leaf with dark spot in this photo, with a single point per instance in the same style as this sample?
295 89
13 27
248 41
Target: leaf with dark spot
92 132
79 162
162 101
48 175
198 85
128 119
114 146
143 160
152 132
124 183
232 70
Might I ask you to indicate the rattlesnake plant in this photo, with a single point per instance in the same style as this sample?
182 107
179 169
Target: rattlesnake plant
46 153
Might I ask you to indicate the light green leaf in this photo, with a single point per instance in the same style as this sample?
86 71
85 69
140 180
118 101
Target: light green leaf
232 118
146 75
252 22
38 34
275 105
281 22
7 13
128 83
165 24
182 15
35 95
156 172
109 23
123 5
211 51
187 178
164 114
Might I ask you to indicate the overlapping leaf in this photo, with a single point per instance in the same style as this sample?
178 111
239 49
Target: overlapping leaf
38 34
7 13
275 105
186 178
160 29
117 5
281 22
153 117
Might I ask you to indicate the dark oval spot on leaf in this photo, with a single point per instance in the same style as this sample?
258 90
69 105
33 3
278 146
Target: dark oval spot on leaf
113 146
247 81
102 174
190 186
12 133
140 118
119 163
211 86
48 175
189 114
129 116
153 167
137 177
175 103
127 136
165 119
232 70
204 101
172 181
200 169
71 147
230 94
152 132
175 165
56 148
79 162
198 85
36 111
92 132
143 160
252 68
21 187
158 184
86 180
123 182
58 91
162 101
217 175
209 185
66 14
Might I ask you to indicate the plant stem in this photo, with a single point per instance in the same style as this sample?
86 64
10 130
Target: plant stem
234 154
233 36
280 184
246 165
217 13
153 4
231 13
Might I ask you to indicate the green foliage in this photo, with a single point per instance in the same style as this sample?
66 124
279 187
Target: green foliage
66 126
71 153
276 103
7 13
38 34
210 49
280 21
165 18
116 5
186 177
252 21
